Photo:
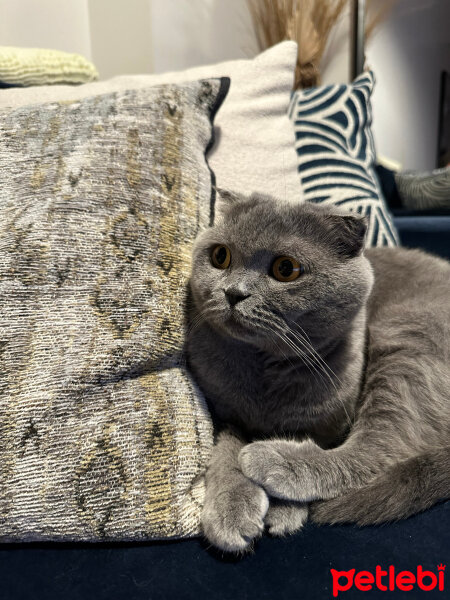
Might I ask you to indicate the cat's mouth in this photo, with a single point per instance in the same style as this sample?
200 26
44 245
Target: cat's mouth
236 319
237 323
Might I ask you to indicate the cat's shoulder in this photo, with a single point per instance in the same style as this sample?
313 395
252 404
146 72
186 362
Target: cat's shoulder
405 260
409 278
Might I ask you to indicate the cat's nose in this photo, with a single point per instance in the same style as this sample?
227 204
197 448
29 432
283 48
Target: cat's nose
235 297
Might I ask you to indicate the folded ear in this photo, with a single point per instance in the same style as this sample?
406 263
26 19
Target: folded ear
348 234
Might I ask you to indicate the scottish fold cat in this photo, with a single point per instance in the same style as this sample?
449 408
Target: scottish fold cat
326 368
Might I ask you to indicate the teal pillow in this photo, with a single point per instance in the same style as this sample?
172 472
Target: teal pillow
336 153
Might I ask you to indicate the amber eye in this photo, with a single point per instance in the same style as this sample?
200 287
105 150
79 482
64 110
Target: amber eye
221 257
285 268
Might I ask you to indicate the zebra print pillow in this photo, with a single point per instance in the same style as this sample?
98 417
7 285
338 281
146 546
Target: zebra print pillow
336 152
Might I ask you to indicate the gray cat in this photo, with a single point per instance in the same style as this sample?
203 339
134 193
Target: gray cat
335 359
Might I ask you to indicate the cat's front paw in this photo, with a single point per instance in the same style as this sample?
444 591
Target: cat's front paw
265 464
285 518
286 470
232 519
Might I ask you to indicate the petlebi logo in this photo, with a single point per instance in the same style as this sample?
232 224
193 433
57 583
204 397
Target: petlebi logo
388 579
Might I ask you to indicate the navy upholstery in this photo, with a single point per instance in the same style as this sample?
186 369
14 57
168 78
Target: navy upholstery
430 231
294 568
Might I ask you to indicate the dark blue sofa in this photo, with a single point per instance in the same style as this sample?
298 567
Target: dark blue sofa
429 231
295 568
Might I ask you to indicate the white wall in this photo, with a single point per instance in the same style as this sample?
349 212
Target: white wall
58 24
407 55
186 33
121 36
335 66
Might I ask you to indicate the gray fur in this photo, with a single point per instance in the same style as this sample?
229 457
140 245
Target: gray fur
338 380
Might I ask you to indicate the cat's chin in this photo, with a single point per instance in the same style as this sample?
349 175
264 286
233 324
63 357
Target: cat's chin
235 327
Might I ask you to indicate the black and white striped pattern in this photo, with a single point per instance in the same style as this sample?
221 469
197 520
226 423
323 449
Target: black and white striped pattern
336 152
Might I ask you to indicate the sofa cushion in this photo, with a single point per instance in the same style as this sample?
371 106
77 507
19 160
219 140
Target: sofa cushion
254 149
103 433
424 190
336 153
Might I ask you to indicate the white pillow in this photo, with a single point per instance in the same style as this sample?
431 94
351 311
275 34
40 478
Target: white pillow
254 149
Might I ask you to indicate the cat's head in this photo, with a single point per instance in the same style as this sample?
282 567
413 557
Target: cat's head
268 270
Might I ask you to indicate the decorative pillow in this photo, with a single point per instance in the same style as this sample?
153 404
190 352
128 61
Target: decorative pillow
35 66
386 177
254 149
103 433
336 154
422 191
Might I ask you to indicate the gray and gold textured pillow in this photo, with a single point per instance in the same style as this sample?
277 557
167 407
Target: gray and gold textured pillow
103 433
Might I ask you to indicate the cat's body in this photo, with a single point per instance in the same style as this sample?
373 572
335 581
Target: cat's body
345 370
